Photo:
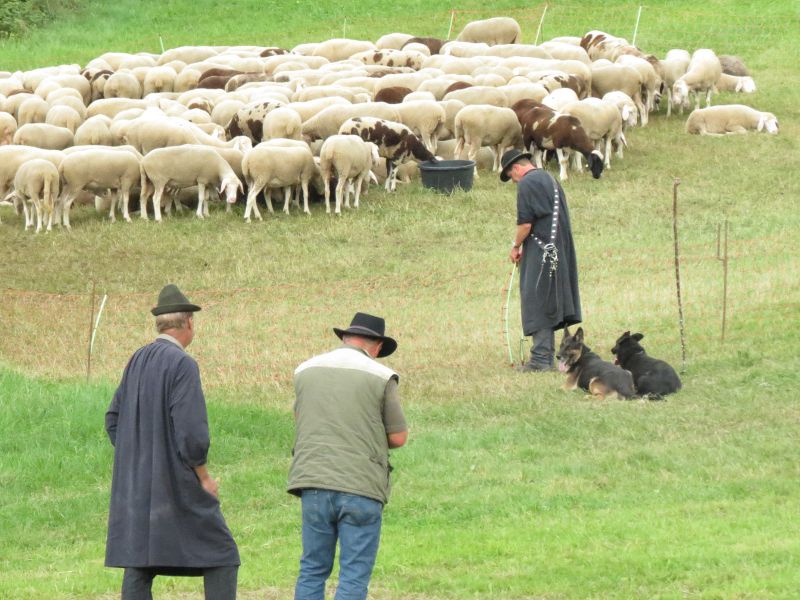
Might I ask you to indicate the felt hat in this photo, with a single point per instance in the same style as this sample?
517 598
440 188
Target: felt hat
172 300
369 326
509 158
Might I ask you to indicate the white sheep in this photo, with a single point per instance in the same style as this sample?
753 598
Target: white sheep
32 110
351 159
274 164
64 116
735 83
341 48
675 66
730 119
159 79
44 136
8 127
395 41
328 121
479 95
122 84
602 122
651 80
559 98
486 125
497 30
101 169
704 71
610 77
282 123
425 118
626 106
37 182
94 131
190 165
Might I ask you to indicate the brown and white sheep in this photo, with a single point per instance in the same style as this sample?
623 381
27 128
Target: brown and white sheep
545 129
395 141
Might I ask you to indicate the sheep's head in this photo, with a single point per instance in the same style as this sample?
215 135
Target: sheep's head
680 94
595 160
229 187
746 85
769 122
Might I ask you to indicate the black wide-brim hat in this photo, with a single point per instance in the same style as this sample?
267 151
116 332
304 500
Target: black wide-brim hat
509 158
372 327
172 300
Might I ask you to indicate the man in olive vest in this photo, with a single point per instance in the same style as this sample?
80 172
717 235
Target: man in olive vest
348 416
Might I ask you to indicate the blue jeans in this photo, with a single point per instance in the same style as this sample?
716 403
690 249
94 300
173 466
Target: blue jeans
356 522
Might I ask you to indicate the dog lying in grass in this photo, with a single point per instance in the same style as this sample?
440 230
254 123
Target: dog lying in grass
587 370
652 377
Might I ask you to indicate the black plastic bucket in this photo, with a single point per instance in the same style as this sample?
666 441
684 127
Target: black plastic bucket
446 175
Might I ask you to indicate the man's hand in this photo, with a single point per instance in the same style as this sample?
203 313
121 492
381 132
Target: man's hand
211 486
209 483
515 255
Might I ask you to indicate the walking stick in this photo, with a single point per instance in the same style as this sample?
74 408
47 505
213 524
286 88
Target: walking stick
505 314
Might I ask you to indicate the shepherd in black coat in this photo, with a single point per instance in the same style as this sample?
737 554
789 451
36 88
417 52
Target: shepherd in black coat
164 515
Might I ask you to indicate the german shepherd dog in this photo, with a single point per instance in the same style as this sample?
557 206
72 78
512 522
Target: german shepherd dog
588 371
652 377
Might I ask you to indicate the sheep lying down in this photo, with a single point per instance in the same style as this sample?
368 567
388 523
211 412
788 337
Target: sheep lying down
730 118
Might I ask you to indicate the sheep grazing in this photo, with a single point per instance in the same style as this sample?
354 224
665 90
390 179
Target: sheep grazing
602 122
100 169
735 83
627 109
37 183
328 121
426 118
497 30
351 159
545 129
733 65
559 98
277 164
610 77
730 119
675 66
485 125
703 73
179 167
395 142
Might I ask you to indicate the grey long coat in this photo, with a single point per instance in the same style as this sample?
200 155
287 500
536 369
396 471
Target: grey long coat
160 516
546 303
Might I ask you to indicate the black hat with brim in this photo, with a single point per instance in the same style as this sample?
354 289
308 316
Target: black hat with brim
372 327
172 300
509 158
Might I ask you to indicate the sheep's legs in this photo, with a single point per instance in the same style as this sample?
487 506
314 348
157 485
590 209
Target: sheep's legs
157 203
472 154
340 191
357 184
326 179
304 185
287 198
201 199
251 205
563 160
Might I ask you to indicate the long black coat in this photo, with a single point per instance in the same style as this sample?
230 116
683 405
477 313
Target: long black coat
546 303
160 516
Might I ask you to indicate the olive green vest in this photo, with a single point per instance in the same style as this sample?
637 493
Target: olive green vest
340 440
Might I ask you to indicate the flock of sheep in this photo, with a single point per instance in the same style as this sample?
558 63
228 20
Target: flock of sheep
226 121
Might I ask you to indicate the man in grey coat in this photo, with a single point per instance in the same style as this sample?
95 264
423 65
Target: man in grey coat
543 248
164 516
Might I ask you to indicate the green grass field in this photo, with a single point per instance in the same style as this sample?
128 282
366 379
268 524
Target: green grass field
509 488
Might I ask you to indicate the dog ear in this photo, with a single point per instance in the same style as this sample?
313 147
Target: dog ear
579 335
637 336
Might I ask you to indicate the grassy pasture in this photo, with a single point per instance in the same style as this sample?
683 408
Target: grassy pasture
509 488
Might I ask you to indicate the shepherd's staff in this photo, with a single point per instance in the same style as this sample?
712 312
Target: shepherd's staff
505 314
